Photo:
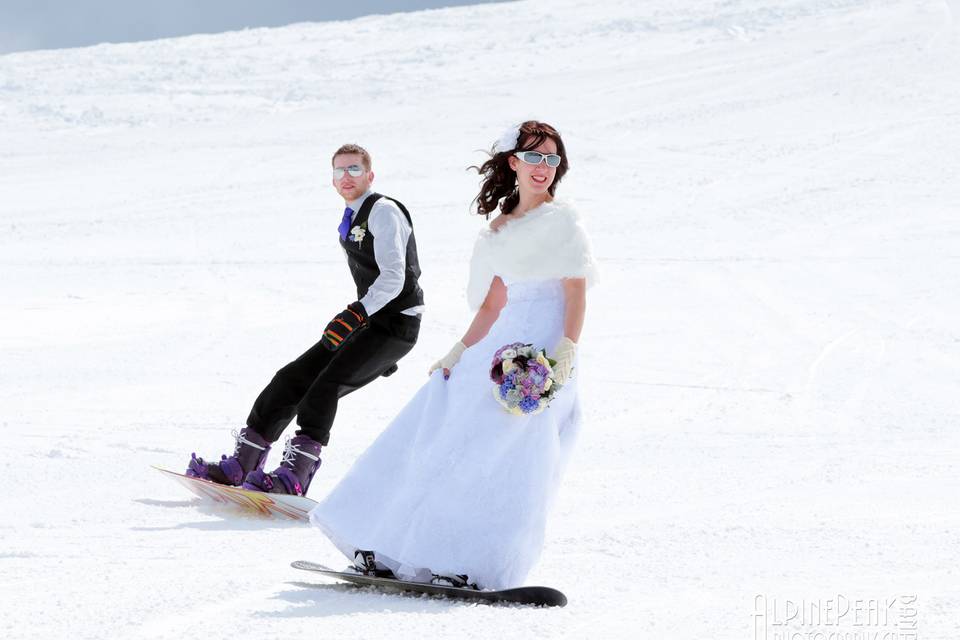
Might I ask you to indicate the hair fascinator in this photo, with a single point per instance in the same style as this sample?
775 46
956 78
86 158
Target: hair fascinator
508 140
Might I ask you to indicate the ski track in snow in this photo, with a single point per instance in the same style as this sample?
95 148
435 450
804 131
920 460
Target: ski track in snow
770 360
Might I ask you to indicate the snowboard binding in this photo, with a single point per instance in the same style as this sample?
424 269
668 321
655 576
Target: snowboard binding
365 563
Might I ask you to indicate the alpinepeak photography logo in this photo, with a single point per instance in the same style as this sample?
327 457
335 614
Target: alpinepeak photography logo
837 617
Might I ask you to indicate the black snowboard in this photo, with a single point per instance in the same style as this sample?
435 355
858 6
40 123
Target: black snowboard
540 596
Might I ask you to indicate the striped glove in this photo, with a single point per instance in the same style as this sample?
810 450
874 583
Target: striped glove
564 355
344 325
448 361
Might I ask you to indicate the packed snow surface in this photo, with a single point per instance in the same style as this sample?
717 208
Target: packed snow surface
769 367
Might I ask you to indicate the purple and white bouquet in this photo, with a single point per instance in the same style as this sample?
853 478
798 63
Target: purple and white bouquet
524 380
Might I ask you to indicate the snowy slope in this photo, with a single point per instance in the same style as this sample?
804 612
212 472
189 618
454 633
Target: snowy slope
769 362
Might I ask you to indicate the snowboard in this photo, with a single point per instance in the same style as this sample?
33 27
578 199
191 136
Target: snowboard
538 596
273 505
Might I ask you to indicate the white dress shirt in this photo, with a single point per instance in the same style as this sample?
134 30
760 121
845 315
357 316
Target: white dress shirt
391 232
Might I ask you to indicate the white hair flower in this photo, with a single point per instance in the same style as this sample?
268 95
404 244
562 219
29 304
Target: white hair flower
508 140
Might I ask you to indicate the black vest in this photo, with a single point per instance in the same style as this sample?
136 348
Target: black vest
363 263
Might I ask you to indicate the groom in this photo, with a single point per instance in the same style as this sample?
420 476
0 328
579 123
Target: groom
360 344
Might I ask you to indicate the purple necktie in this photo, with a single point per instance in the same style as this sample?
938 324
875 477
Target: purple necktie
344 227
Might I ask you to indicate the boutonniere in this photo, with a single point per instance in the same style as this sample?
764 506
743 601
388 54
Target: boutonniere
358 232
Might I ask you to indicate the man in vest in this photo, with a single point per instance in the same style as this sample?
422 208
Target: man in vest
360 344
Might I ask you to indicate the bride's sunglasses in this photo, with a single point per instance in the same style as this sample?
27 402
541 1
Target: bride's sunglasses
535 157
354 170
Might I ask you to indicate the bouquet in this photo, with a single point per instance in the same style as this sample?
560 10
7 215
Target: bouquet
523 376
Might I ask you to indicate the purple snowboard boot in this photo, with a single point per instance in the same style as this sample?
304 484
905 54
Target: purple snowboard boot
301 459
249 455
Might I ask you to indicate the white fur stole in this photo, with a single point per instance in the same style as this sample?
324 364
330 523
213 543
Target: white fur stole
546 243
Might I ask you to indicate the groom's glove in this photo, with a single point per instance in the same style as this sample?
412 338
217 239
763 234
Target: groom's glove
344 325
448 361
564 353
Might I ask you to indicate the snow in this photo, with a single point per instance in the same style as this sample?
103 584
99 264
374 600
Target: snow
769 365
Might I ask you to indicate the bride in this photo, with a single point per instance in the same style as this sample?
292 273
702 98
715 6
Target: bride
456 489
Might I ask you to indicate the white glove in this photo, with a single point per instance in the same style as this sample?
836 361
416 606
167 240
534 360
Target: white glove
564 353
448 361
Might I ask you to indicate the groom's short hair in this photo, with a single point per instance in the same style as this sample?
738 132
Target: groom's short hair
354 148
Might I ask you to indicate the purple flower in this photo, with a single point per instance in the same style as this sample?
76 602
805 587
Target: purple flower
498 356
529 404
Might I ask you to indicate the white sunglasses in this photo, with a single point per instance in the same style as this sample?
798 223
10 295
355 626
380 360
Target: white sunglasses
535 157
354 170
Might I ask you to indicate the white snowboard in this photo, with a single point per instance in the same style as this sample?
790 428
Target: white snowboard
272 505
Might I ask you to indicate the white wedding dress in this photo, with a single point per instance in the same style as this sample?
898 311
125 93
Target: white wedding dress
456 484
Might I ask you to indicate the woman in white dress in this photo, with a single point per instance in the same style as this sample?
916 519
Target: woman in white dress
456 486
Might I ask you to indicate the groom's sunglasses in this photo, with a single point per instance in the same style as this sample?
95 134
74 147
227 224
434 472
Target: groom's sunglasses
535 157
354 170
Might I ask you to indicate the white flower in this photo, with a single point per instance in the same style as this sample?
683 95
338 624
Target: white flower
508 140
357 233
509 354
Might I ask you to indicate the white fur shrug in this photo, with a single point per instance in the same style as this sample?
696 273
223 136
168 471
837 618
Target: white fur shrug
546 243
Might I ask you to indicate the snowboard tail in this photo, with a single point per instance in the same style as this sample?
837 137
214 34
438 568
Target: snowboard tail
272 505
538 596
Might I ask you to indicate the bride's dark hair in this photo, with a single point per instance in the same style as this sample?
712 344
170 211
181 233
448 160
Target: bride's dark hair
500 181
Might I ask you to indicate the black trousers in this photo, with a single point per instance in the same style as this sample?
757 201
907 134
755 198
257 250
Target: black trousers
310 386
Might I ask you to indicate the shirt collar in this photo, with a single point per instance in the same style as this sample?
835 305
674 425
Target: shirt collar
356 204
